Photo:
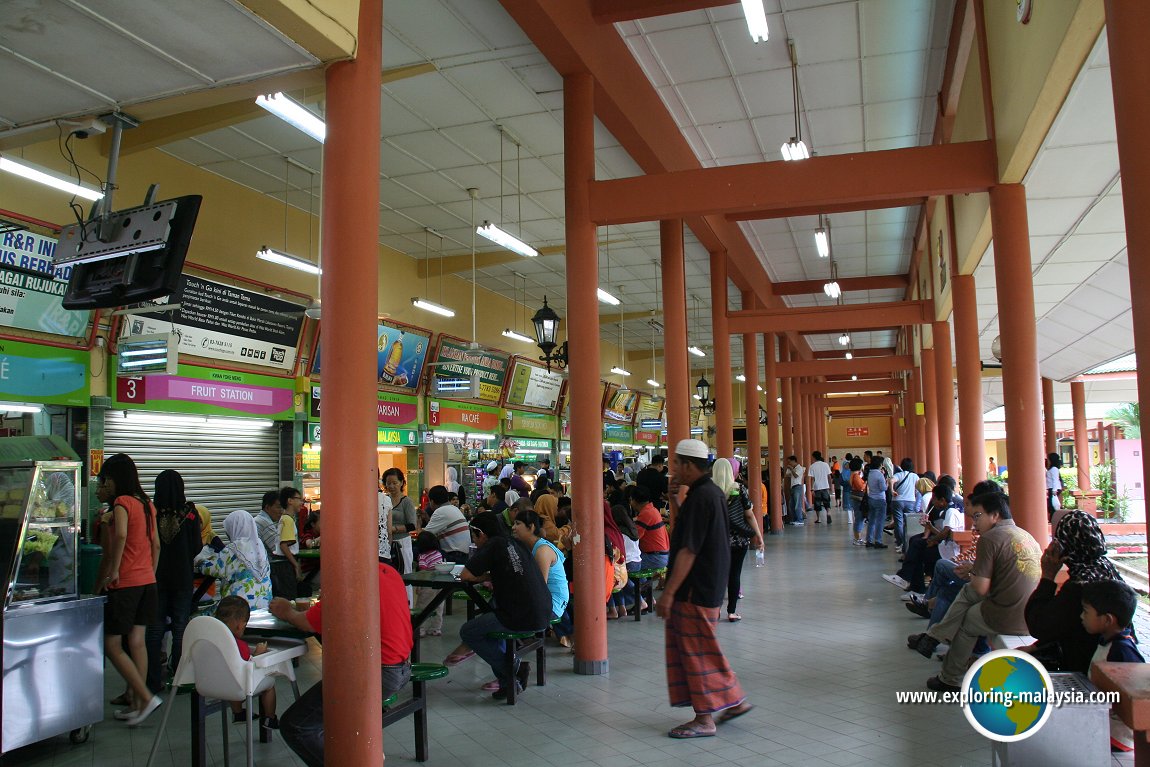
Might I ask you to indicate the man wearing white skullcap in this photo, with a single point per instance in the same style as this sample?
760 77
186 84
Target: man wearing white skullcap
698 674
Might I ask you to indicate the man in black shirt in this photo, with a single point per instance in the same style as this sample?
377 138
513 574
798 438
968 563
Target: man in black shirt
653 478
697 673
523 602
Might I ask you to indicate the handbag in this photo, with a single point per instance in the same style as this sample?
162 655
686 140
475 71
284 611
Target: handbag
618 572
736 514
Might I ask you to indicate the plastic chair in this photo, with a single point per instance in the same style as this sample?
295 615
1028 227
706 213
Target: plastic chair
211 661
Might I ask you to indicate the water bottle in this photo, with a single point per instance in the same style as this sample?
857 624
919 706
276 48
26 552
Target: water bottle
760 558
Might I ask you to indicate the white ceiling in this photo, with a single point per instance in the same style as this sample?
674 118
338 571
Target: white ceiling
868 74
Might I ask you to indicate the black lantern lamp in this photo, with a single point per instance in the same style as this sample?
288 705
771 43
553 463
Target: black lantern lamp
703 390
546 323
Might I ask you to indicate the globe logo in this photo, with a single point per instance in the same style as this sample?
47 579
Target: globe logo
1009 695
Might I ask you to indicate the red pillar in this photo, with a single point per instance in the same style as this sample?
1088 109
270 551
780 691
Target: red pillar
1081 438
789 405
679 387
1127 26
751 397
969 365
349 290
1014 282
1100 430
771 464
582 263
922 454
944 380
1049 427
930 397
723 390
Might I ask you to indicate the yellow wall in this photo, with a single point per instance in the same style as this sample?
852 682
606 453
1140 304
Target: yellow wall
879 437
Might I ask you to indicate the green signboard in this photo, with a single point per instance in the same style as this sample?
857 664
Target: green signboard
32 301
206 391
617 432
383 436
44 374
528 424
456 362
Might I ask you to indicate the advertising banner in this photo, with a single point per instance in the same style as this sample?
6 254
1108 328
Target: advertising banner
32 302
205 391
650 408
620 405
617 432
227 323
528 424
533 386
45 374
462 416
401 352
455 361
391 409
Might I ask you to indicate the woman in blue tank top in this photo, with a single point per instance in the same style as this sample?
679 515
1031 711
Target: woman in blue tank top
528 530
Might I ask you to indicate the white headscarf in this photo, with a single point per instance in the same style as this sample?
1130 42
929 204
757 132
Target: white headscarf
510 498
245 541
507 471
452 480
723 475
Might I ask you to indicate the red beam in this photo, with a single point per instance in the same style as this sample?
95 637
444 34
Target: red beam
611 11
845 387
876 400
871 366
806 287
809 319
814 210
856 179
878 412
838 355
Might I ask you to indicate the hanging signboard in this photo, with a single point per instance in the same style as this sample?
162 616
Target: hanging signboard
45 374
462 416
206 391
227 323
33 301
456 361
390 408
645 437
620 404
533 386
650 408
618 433
858 431
401 353
529 424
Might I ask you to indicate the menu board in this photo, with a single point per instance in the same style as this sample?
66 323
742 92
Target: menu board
620 404
534 386
401 353
457 361
650 408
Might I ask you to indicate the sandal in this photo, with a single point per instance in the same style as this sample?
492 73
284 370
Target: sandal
689 730
735 713
456 658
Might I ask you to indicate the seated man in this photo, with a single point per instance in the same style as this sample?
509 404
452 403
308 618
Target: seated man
522 601
302 724
931 545
448 524
1005 572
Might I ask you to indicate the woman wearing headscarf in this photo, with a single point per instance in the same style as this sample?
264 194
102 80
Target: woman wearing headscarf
546 506
742 526
1054 619
241 568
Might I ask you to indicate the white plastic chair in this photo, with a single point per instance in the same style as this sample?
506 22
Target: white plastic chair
211 660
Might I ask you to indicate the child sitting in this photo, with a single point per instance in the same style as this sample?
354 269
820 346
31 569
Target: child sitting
428 556
234 612
1108 611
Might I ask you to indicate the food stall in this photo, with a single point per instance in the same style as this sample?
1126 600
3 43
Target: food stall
52 637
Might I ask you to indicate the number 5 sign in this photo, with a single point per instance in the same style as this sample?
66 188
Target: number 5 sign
131 390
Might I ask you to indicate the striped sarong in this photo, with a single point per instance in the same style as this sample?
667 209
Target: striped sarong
698 674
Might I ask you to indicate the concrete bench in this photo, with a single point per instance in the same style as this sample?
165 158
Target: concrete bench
1010 641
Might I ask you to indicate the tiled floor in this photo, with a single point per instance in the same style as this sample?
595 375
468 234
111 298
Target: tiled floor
821 651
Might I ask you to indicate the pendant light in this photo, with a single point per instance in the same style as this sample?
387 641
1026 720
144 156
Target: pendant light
619 370
424 303
690 347
282 257
509 332
756 16
604 296
823 237
796 148
494 233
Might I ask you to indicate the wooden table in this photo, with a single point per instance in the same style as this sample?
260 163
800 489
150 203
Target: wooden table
1132 682
446 584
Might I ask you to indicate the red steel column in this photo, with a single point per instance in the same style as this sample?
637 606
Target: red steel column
751 397
1014 281
788 394
1049 425
349 292
944 380
930 398
679 387
967 358
771 464
1127 27
582 263
1081 437
723 391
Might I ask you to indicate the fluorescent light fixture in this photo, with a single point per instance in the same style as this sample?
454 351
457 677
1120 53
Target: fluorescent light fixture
844 339
11 408
740 377
850 356
607 298
653 382
389 449
286 259
651 423
697 430
505 239
48 178
431 306
756 20
822 242
833 289
294 114
482 437
696 351
449 434
795 149
144 354
509 333
240 423
620 371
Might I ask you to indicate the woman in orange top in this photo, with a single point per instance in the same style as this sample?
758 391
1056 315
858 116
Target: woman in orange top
128 575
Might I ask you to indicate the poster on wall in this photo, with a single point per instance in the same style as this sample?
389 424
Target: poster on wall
31 293
456 361
227 323
534 386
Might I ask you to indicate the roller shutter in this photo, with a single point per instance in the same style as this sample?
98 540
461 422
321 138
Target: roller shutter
226 463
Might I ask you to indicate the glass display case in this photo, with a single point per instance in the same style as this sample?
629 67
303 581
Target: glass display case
52 638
